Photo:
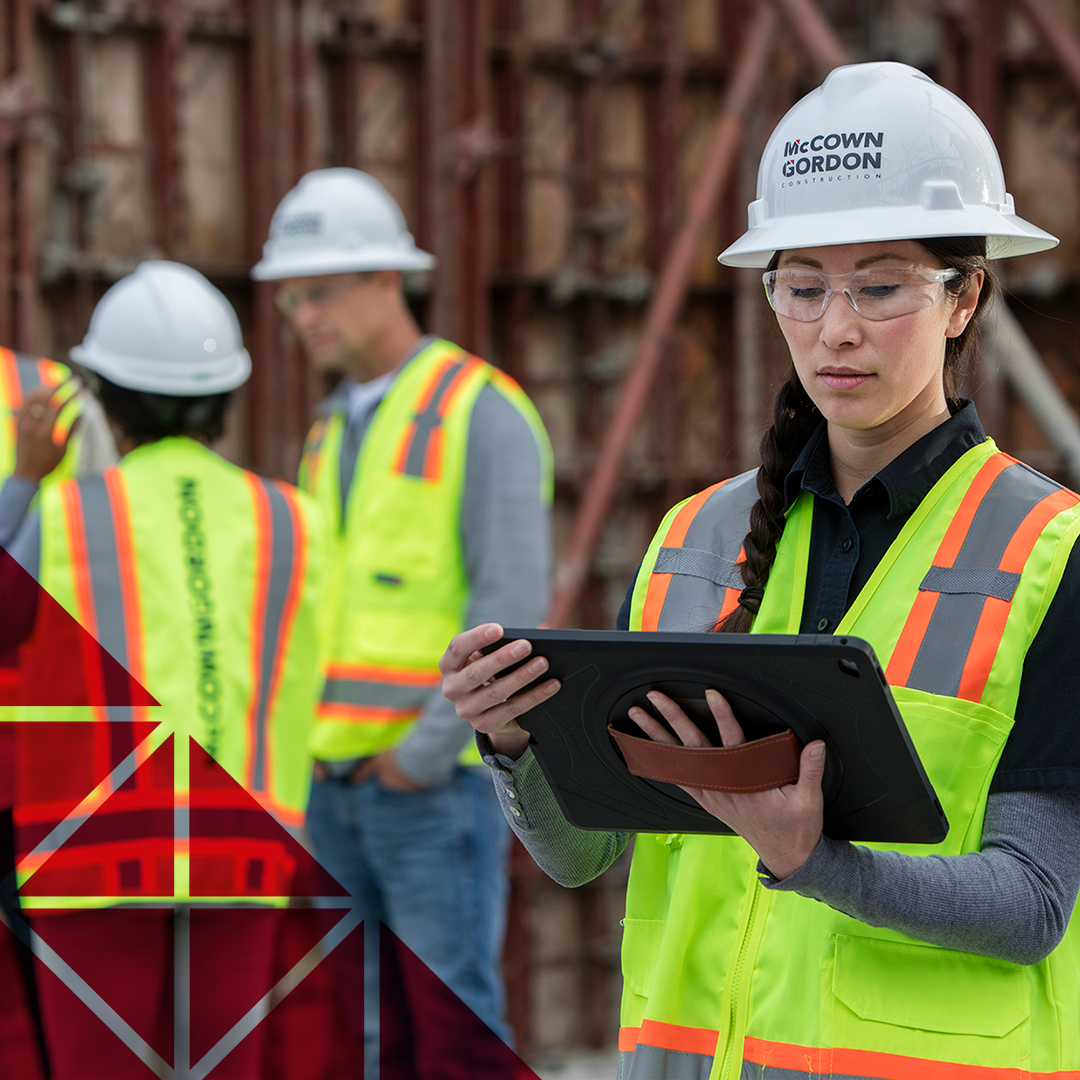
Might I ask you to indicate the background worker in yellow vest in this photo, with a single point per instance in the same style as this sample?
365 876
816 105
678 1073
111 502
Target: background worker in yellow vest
203 581
49 430
434 471
880 510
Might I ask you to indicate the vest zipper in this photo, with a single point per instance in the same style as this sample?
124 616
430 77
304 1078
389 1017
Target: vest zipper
738 991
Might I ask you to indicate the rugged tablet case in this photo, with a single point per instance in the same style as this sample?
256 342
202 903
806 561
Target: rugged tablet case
820 686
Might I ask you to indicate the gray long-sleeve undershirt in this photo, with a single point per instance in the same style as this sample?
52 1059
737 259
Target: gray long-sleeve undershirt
1011 900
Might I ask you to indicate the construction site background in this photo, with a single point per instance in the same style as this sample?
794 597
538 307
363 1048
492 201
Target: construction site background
576 165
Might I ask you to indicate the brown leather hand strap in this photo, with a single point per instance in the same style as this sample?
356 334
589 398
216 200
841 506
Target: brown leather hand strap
760 765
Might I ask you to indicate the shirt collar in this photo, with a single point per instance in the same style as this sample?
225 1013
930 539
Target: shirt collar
349 396
907 479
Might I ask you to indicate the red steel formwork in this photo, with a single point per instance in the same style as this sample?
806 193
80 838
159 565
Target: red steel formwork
575 165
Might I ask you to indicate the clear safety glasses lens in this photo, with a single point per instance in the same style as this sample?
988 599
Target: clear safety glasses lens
876 293
288 302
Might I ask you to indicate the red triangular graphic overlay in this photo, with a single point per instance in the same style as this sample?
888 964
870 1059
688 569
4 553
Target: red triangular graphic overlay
310 1034
238 848
125 847
233 953
125 954
58 661
425 1026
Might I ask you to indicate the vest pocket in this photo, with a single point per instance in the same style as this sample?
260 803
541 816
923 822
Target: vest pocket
930 1003
640 948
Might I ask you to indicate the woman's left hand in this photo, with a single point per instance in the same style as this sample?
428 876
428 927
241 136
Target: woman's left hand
783 825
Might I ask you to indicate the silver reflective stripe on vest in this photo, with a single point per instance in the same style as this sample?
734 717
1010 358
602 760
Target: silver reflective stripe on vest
282 555
338 691
104 574
957 581
693 562
654 1063
427 421
718 528
939 664
29 376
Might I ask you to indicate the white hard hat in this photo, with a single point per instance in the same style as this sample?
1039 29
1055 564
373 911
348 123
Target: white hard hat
335 221
165 329
880 152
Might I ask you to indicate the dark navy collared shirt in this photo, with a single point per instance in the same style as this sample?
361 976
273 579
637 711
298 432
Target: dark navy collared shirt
848 542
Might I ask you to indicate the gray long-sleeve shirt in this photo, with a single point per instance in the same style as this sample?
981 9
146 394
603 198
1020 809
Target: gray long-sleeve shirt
1012 900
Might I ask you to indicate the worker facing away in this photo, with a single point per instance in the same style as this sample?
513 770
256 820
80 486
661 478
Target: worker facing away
881 510
203 581
434 472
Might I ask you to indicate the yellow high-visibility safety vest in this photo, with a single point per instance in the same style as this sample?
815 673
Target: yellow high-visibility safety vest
399 589
724 978
20 375
203 580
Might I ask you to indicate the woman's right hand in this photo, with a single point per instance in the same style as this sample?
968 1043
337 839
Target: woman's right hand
472 681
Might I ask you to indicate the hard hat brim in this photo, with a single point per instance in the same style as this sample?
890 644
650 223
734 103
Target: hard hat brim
276 266
1006 234
224 374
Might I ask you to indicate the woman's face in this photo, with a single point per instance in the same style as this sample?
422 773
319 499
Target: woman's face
866 375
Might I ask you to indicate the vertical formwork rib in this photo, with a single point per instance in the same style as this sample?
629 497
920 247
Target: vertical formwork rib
6 184
26 332
164 104
261 112
664 308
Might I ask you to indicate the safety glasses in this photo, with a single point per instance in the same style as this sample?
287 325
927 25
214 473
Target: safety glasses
876 293
319 294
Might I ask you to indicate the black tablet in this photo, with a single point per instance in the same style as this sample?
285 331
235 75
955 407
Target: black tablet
818 686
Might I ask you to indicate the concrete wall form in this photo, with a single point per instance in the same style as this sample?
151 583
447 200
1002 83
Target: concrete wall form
547 151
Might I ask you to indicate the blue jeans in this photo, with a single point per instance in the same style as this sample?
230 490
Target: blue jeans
431 865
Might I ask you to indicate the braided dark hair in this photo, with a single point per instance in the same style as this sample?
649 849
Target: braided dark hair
795 419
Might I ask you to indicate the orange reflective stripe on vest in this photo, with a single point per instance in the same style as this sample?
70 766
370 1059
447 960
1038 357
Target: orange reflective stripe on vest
699 547
21 375
659 1049
279 572
967 593
420 453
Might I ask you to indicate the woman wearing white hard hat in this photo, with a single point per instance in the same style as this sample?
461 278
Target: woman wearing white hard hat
202 580
882 511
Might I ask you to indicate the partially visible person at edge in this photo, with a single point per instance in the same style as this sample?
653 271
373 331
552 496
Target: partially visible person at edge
203 581
780 952
49 430
434 472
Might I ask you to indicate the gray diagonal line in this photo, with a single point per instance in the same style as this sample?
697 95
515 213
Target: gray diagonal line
70 824
98 1006
288 982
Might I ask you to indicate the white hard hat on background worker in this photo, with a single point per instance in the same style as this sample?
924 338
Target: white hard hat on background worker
880 152
336 221
166 330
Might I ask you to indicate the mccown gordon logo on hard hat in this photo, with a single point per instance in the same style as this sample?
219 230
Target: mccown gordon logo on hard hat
848 151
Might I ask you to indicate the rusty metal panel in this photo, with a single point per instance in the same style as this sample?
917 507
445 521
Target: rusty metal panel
211 80
120 218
